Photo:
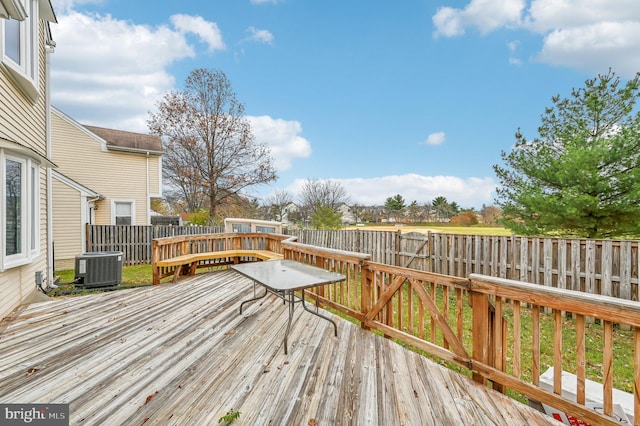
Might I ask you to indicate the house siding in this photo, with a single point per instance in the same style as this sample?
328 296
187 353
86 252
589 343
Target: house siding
24 121
155 181
67 225
115 175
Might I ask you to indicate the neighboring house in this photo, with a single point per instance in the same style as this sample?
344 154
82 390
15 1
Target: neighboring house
289 209
348 218
25 168
104 177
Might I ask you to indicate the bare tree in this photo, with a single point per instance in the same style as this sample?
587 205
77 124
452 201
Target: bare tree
276 204
210 153
317 193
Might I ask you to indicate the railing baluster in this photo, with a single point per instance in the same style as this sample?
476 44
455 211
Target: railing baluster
517 351
557 351
607 367
535 344
581 367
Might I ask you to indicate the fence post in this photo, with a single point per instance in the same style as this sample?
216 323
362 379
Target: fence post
87 237
428 266
398 239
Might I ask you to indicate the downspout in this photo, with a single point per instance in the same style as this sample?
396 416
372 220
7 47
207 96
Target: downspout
49 49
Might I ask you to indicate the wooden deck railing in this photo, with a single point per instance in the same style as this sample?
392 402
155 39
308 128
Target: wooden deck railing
489 326
172 247
503 333
575 318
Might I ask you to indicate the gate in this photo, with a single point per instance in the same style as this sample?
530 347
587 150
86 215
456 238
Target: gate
413 251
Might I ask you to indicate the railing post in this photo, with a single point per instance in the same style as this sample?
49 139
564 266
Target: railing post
365 295
636 374
320 263
480 330
155 256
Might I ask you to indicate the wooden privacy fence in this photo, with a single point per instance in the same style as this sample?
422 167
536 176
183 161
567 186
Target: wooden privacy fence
135 241
602 267
504 333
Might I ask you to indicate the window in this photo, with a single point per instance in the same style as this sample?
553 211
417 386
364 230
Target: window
14 205
241 227
266 229
12 40
19 199
123 212
19 48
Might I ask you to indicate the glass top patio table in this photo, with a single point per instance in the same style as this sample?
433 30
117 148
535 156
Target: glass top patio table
281 275
283 278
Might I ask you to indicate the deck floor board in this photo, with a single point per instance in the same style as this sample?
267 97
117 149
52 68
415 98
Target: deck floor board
182 354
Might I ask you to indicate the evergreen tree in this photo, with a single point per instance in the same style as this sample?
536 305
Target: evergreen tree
581 176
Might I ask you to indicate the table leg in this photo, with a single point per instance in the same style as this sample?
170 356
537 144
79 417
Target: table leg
291 309
304 305
254 298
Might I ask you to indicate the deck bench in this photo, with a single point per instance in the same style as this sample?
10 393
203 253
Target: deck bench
191 260
184 254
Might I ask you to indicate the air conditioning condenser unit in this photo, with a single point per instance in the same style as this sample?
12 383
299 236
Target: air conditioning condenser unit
98 269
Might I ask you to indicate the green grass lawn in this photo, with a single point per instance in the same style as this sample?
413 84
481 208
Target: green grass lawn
131 275
135 275
437 227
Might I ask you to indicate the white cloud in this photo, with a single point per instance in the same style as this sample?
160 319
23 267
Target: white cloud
470 192
595 48
437 138
112 70
485 15
513 49
207 32
260 36
549 15
589 35
448 22
283 137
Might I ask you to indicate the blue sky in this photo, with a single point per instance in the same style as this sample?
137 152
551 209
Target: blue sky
416 98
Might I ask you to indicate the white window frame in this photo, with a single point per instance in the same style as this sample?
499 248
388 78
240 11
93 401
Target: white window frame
30 210
34 209
116 201
25 73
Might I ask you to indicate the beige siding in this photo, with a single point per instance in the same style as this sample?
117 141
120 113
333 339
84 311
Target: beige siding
24 121
115 175
155 184
67 225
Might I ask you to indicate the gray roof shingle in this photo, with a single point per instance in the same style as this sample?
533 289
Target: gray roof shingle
128 140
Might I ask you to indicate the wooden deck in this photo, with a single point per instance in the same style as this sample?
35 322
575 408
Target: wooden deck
182 354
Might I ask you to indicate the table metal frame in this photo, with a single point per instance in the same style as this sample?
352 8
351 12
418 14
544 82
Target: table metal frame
288 295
